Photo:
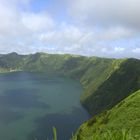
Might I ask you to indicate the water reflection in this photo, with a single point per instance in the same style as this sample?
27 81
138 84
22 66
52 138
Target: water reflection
65 123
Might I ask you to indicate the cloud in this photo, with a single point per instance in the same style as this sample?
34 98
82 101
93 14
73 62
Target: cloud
18 28
66 36
70 38
136 50
16 22
124 12
89 27
119 49
37 21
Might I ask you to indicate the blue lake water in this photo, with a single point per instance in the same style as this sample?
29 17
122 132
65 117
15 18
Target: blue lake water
32 103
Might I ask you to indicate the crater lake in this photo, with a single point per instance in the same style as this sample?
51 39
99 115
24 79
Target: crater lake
32 103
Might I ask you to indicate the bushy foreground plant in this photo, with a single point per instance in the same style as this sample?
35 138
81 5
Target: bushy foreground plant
108 135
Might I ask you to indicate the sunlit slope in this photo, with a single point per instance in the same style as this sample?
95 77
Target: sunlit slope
122 82
125 115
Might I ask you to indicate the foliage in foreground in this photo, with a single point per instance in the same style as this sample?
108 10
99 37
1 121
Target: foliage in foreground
54 134
125 115
109 135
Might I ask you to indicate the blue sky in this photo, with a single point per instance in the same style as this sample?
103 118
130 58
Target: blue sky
86 27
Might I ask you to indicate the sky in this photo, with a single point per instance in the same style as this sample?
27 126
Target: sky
104 28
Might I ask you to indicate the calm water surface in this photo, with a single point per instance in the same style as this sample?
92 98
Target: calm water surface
32 103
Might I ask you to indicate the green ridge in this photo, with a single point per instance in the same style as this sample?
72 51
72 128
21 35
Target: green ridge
123 81
124 116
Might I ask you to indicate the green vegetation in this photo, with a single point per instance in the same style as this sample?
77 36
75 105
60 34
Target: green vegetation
54 133
108 135
125 115
11 61
122 83
109 86
122 135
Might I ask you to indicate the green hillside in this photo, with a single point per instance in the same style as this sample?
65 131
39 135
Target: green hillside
124 116
11 61
106 82
123 82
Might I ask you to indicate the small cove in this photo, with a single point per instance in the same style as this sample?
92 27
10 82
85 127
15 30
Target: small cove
32 103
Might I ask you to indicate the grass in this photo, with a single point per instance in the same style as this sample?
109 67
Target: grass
54 133
125 115
109 135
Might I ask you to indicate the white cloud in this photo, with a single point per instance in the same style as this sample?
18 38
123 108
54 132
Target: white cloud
136 50
119 49
37 21
96 28
75 38
117 32
15 22
18 26
92 12
110 51
66 36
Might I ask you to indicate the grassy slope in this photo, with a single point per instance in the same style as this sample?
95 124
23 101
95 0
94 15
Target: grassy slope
118 86
51 63
97 74
125 115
